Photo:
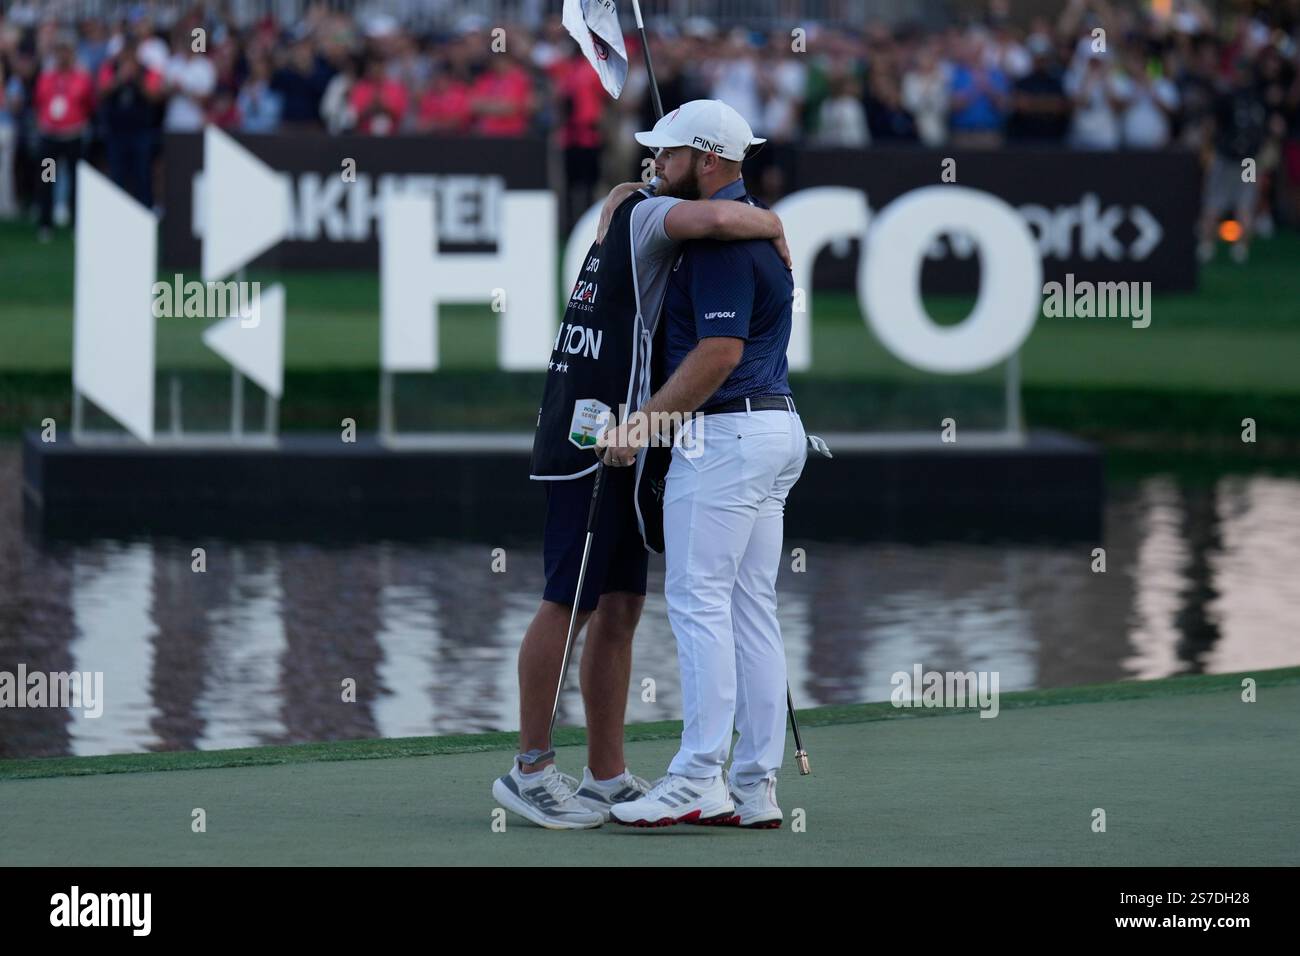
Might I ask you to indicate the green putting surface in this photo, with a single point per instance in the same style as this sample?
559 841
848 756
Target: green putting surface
1186 772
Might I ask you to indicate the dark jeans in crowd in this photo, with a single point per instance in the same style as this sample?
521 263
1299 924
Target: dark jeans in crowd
130 163
65 153
581 173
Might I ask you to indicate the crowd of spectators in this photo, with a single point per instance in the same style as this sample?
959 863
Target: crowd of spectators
1092 77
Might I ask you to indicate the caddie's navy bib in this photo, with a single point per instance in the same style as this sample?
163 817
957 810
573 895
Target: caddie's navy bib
597 370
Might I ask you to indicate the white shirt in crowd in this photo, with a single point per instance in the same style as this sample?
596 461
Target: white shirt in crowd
842 122
736 83
781 111
1010 57
152 53
194 78
1146 119
925 96
335 108
1095 124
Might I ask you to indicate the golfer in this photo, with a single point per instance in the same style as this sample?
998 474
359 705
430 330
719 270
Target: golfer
598 369
727 326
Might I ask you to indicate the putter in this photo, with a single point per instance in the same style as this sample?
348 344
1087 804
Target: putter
597 486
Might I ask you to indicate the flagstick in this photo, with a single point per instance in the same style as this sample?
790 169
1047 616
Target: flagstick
649 67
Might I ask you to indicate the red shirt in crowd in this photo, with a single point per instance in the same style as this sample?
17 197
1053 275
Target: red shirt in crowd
584 102
107 70
513 86
224 112
64 101
391 98
446 108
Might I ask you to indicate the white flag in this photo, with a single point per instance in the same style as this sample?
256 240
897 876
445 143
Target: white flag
594 24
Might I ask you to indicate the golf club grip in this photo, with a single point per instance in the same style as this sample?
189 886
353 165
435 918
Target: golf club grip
597 487
800 755
794 722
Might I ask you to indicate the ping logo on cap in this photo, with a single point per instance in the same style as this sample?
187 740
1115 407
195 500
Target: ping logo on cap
706 145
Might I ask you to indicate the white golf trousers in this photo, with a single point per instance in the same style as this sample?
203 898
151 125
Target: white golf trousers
724 506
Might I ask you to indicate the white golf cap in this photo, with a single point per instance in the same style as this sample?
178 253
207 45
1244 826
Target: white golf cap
708 125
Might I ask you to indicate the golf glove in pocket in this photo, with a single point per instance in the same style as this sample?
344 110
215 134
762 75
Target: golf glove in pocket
819 446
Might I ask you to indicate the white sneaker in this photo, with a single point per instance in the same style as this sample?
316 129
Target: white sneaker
675 799
545 798
756 806
600 795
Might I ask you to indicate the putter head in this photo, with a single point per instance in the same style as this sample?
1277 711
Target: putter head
801 758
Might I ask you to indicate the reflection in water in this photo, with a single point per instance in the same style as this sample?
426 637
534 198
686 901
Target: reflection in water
244 657
946 627
407 636
256 649
1157 575
111 588
1255 569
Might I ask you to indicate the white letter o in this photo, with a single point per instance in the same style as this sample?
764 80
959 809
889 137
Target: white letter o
1011 279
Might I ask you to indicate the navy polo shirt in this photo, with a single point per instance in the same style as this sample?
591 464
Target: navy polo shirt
738 289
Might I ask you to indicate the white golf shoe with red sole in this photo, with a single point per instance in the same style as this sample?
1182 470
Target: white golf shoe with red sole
675 799
756 807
